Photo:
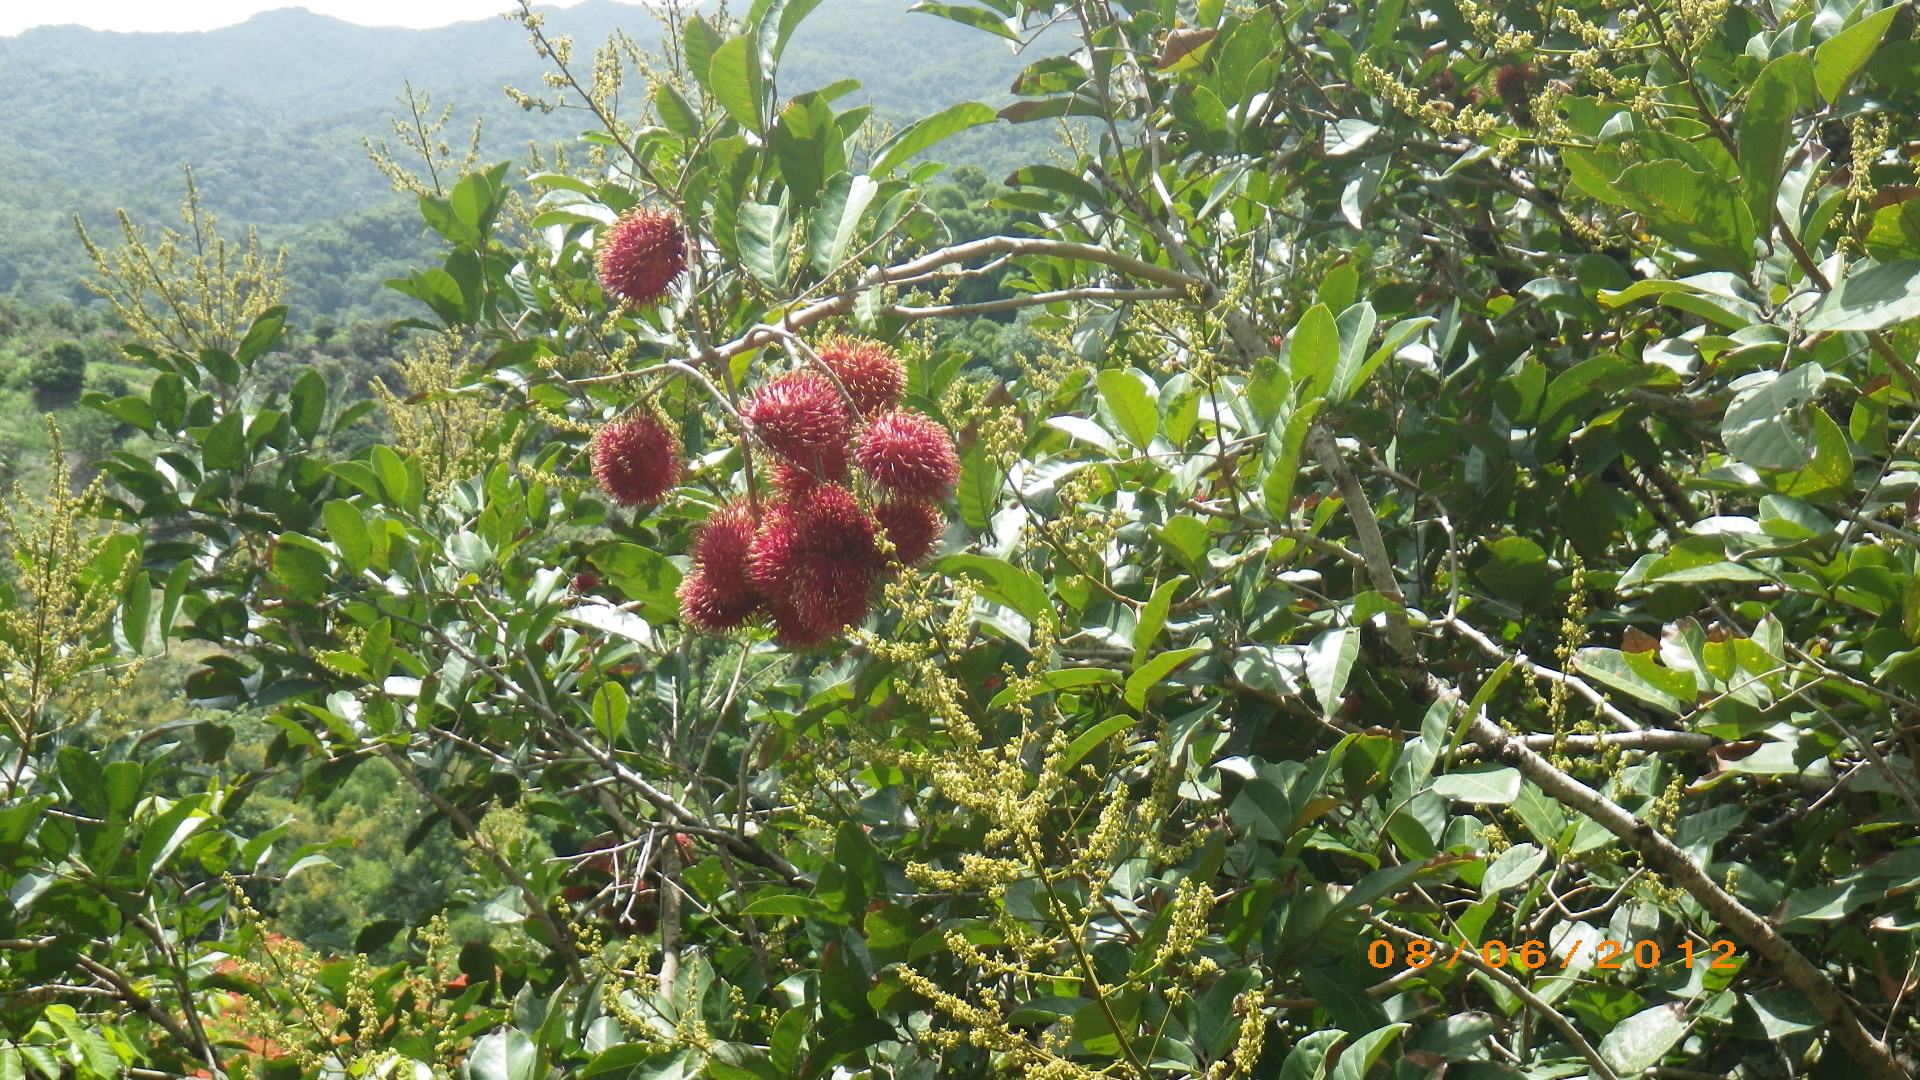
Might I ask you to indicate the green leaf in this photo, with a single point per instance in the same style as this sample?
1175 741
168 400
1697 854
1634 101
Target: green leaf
262 335
1011 585
763 236
1055 178
1494 784
675 112
949 121
1871 299
808 147
1329 661
136 612
1758 427
1085 742
1641 1040
474 204
1308 1058
609 711
1766 132
401 483
1690 209
225 446
1830 473
977 18
308 403
1060 679
301 566
1153 618
786 905
169 830
978 492
347 528
1145 678
1840 57
1277 490
1359 1057
1137 413
734 79
1611 667
131 409
641 574
1356 325
832 227
168 396
1313 352
1339 287
503 1055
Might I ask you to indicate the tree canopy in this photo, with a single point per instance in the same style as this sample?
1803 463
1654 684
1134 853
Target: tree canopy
1434 586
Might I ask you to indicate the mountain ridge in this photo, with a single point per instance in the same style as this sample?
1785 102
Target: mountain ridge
270 113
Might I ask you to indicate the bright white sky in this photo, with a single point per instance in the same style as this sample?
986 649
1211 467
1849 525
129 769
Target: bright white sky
18 15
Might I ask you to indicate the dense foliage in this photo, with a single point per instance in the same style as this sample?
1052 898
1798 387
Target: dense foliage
1451 500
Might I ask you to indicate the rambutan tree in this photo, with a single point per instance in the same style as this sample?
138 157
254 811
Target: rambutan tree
1416 609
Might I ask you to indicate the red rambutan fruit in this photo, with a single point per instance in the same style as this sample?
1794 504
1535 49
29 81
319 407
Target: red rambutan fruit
913 525
1514 82
720 594
801 417
636 461
790 482
640 256
816 561
872 374
908 454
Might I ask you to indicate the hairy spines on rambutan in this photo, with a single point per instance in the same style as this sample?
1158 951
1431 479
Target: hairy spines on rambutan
874 377
907 454
914 526
720 593
801 417
816 559
640 256
637 460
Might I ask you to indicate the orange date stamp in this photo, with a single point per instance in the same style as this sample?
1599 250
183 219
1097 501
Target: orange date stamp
1533 955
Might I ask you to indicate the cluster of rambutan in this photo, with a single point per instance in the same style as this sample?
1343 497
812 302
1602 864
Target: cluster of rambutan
807 554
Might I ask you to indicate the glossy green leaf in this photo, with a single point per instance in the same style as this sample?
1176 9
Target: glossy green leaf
926 133
1329 662
1872 298
1840 57
967 15
1765 134
1149 675
347 528
1128 402
1313 352
734 78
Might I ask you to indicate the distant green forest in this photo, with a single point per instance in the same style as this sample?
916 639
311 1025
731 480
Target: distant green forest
270 114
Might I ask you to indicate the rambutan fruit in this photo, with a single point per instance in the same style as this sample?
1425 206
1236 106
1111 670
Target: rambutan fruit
640 256
1514 82
872 374
801 417
637 460
913 525
816 560
790 482
907 454
720 594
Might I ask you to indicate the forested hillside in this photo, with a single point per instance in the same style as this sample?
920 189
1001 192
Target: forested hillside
271 113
